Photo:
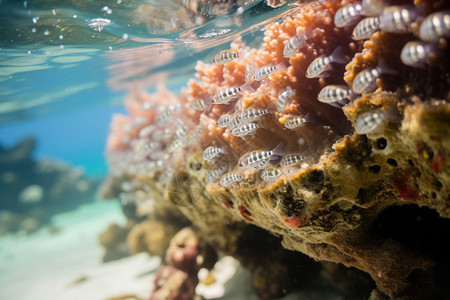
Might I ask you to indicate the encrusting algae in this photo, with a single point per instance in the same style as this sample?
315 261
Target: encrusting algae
379 137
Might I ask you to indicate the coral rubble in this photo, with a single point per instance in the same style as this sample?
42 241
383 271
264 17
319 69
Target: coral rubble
386 145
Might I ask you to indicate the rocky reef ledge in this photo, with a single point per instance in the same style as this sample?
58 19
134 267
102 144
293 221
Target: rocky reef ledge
350 168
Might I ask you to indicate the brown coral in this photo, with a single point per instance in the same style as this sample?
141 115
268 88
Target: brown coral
327 206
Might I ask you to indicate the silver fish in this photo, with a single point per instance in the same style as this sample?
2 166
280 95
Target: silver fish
435 26
366 81
230 179
175 145
320 65
165 116
334 93
214 174
212 152
294 122
144 148
198 105
226 95
146 131
264 72
284 99
417 54
398 19
347 15
370 122
291 159
366 28
372 8
293 44
223 121
225 56
252 114
271 173
259 157
245 129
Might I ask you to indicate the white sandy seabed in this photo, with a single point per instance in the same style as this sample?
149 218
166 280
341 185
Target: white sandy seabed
67 265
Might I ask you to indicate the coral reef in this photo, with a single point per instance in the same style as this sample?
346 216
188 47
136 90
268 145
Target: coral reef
113 239
185 256
319 171
34 190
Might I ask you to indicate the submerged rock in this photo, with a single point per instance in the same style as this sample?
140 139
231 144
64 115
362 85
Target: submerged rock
384 144
35 190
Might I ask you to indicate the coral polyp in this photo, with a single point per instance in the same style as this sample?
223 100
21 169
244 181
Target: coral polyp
361 143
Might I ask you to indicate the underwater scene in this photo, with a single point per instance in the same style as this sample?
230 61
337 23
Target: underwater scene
224 149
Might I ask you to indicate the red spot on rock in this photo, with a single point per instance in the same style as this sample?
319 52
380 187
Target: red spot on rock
438 162
293 222
245 213
227 202
406 192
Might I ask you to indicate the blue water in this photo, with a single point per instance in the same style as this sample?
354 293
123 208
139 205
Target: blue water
61 80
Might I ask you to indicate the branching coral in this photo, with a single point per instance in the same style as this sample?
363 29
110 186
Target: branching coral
387 146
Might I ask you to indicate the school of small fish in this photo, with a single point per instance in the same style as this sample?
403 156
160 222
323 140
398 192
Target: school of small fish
169 134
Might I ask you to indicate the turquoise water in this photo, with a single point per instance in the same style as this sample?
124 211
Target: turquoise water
65 68
61 77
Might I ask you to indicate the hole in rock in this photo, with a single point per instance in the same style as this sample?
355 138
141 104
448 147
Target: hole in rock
195 166
375 169
381 144
422 230
392 162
